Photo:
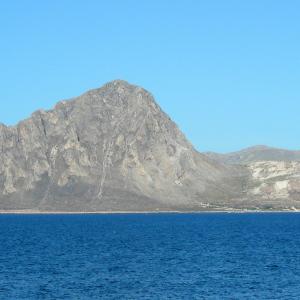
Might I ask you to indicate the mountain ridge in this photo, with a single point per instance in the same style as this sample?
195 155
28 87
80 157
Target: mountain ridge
114 149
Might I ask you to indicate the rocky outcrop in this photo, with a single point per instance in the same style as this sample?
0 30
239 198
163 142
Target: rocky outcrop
273 177
275 183
256 153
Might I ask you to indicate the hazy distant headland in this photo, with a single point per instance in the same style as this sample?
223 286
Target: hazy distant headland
113 149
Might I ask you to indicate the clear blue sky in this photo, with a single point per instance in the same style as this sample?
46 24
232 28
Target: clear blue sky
228 72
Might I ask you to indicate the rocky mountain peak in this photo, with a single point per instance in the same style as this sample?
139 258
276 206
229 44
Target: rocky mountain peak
114 149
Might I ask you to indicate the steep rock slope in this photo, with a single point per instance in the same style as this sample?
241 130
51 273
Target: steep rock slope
111 149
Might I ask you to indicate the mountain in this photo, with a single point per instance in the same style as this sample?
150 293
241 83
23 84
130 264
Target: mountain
256 153
111 149
274 175
114 149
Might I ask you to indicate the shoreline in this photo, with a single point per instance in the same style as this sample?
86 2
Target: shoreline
36 212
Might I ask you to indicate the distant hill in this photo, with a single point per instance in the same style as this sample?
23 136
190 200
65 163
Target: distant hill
111 149
256 153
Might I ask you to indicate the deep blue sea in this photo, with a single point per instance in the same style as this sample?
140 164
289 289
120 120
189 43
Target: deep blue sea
150 256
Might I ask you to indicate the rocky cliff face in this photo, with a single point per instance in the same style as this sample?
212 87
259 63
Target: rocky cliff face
110 149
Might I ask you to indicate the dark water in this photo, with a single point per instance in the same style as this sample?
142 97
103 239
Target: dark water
150 256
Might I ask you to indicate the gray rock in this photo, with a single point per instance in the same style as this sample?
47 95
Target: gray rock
275 181
111 149
114 149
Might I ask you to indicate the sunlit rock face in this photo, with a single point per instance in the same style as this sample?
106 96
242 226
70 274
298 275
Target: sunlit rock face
256 154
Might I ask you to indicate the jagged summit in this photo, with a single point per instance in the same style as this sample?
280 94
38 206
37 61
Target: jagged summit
115 93
118 83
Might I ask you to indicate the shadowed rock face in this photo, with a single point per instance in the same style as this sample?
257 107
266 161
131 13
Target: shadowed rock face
110 149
